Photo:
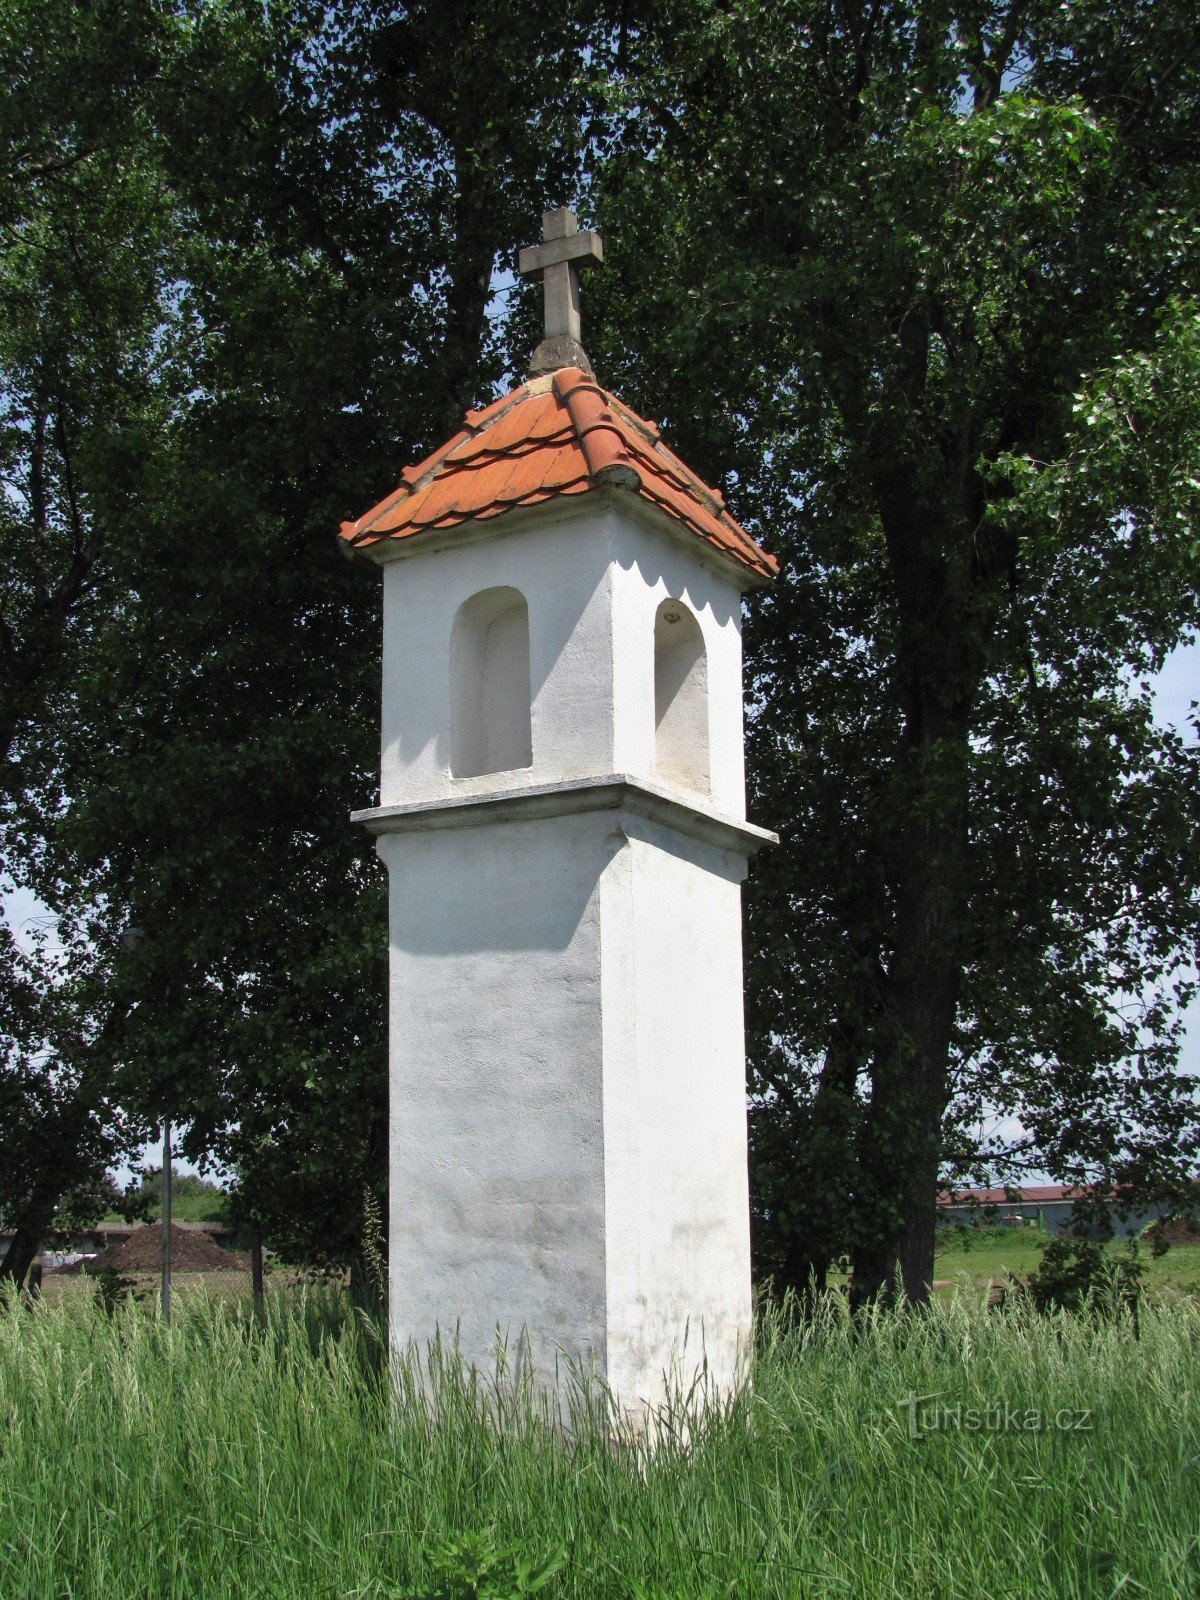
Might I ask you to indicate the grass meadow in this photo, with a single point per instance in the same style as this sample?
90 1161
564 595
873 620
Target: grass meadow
228 1455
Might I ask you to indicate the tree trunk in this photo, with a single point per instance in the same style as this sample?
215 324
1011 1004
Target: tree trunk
35 1220
941 660
903 1128
902 1131
470 278
33 1225
256 1265
919 1237
23 1249
831 1150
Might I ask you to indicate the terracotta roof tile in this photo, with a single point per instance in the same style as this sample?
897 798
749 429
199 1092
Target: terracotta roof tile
552 436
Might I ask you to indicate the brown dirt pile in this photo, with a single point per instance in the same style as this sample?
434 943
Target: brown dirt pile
191 1251
1174 1230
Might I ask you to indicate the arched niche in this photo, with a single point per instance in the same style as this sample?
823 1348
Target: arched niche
680 697
490 725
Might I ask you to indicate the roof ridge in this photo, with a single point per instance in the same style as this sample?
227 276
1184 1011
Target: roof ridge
587 404
679 469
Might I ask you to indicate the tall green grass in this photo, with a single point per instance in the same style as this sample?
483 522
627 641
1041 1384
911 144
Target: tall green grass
227 1457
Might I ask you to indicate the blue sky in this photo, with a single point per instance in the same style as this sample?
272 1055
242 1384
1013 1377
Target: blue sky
1177 690
1178 687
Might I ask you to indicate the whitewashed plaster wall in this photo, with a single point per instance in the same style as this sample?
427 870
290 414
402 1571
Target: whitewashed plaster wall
649 567
678 1205
568 1144
562 572
497 1153
568 1148
592 578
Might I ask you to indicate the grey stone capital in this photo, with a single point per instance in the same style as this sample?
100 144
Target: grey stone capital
687 814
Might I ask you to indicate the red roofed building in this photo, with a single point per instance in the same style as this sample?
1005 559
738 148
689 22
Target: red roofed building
1047 1205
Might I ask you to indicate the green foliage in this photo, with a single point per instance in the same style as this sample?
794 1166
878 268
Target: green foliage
85 261
112 1289
475 1569
193 1199
917 286
368 1271
270 1459
313 199
966 1236
1077 1274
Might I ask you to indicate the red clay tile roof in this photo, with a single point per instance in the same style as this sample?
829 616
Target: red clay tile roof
1039 1194
552 436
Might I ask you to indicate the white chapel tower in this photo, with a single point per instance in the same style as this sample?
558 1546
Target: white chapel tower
563 821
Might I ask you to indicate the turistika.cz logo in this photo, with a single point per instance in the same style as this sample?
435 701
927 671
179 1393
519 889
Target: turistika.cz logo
927 1413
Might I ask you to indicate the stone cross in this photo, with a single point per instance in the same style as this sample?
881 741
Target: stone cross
556 261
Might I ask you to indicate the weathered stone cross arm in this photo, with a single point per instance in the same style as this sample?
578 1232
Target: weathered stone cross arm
556 261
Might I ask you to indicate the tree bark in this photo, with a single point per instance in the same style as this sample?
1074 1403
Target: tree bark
902 1131
807 1260
25 1243
35 1219
941 660
470 274
256 1265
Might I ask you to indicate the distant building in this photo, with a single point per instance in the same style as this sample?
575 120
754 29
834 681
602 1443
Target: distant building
88 1242
1047 1206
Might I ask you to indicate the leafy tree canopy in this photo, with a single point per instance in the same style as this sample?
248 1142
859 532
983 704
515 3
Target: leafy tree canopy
920 279
917 280
332 187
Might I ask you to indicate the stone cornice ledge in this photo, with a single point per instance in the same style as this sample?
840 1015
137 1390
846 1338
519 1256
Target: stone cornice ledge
614 792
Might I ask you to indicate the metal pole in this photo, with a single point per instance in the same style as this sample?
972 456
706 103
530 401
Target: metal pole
256 1265
166 1222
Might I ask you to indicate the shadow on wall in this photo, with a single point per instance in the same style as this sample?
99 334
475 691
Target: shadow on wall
490 700
672 568
514 887
680 697
490 645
